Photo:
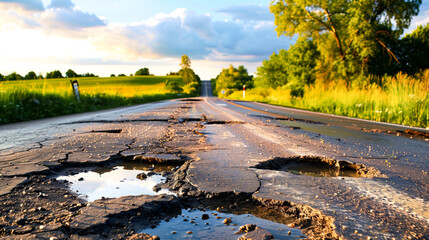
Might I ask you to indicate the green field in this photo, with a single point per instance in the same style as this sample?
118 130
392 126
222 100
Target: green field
35 99
401 99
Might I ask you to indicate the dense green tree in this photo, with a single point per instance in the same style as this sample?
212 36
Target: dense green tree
112 75
293 68
31 75
347 33
71 74
186 71
415 56
173 85
231 79
54 74
1 77
13 76
121 75
142 71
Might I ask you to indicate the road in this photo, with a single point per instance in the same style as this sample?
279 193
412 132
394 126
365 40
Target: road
370 179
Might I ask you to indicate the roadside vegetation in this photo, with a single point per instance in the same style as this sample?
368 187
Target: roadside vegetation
350 58
22 100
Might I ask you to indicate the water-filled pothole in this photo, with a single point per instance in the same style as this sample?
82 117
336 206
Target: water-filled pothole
319 167
129 178
224 224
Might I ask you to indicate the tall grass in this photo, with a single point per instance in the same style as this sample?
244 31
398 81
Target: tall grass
400 99
34 99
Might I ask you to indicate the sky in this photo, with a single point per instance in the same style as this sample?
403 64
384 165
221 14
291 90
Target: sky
112 37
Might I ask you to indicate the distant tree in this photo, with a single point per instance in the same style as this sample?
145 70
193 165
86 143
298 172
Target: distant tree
173 73
186 72
121 75
142 71
1 77
88 75
112 75
54 74
233 79
186 62
30 75
13 76
40 76
71 74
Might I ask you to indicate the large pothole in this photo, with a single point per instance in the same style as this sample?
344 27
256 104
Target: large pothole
319 167
126 179
224 223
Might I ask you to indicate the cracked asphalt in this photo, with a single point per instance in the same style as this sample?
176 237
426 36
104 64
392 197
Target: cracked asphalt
221 143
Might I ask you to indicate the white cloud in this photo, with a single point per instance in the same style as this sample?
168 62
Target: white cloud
186 32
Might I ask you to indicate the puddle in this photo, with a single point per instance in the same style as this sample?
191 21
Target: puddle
214 228
118 181
331 131
319 167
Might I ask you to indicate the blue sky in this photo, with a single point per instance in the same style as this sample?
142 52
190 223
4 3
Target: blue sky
111 36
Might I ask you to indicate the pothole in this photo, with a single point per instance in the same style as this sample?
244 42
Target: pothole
225 223
319 167
126 179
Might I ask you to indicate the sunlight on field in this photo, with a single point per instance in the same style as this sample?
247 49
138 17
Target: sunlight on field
33 99
401 99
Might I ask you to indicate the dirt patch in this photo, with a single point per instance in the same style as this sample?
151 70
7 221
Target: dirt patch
319 167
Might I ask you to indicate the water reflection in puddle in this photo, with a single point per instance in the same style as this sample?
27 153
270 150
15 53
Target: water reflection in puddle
214 228
117 181
316 170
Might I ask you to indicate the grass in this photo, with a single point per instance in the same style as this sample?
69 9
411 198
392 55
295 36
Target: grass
401 99
35 99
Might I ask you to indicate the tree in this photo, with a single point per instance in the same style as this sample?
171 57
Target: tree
71 74
13 76
54 74
112 75
347 33
187 73
415 56
186 62
142 71
293 68
173 85
231 79
31 75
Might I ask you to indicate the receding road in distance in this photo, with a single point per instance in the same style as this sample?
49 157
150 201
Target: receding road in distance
371 178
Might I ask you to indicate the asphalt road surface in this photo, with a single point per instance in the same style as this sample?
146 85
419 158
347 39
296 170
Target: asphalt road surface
370 178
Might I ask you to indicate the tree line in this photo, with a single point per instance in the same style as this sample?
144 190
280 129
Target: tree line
53 74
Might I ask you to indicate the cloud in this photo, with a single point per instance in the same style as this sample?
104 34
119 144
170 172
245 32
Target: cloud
248 12
66 4
186 32
31 5
69 19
